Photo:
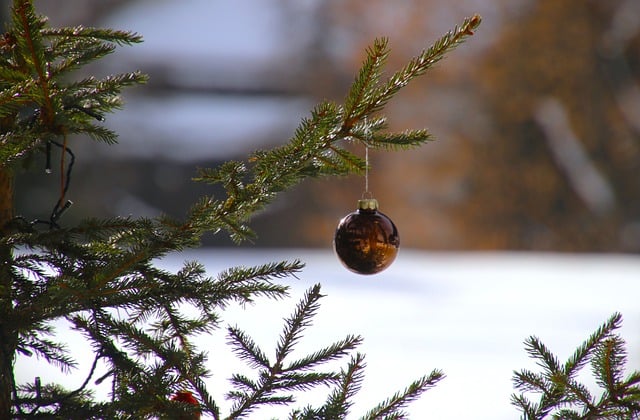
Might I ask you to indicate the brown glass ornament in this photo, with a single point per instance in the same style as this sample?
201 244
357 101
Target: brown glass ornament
366 241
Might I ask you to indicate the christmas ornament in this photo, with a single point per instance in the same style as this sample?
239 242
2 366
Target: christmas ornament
187 397
366 241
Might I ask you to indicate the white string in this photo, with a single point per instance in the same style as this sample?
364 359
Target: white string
367 134
366 169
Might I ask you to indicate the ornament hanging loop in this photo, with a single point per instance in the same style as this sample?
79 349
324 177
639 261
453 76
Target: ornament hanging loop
367 195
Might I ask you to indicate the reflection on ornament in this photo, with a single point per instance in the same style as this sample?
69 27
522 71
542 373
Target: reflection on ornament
366 241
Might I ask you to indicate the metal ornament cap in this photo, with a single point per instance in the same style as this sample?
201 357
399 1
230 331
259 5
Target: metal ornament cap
366 241
368 204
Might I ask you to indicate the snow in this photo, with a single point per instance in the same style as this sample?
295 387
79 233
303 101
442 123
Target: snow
464 313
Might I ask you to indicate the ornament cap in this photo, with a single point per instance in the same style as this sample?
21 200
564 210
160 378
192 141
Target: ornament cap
368 204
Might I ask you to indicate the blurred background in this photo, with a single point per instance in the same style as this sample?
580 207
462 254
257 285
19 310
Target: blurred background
537 117
537 122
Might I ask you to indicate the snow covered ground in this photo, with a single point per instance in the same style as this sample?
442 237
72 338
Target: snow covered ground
464 313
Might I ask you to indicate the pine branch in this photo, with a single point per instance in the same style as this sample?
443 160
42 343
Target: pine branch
55 353
133 376
526 380
52 105
32 398
206 400
104 34
29 42
562 396
340 401
295 325
277 380
566 414
392 407
123 277
404 140
99 95
173 326
246 349
17 96
10 75
364 86
528 408
578 393
545 359
51 401
608 364
74 53
419 65
95 132
581 356
244 384
304 381
335 351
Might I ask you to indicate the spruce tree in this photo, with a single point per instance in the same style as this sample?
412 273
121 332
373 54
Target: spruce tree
101 275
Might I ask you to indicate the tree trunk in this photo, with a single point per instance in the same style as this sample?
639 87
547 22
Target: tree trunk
8 335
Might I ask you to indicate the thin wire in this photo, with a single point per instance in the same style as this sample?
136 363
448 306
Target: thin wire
65 179
62 166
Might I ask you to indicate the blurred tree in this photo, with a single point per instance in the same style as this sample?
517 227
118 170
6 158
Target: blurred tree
559 169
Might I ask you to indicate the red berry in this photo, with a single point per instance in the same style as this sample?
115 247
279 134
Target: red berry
187 397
